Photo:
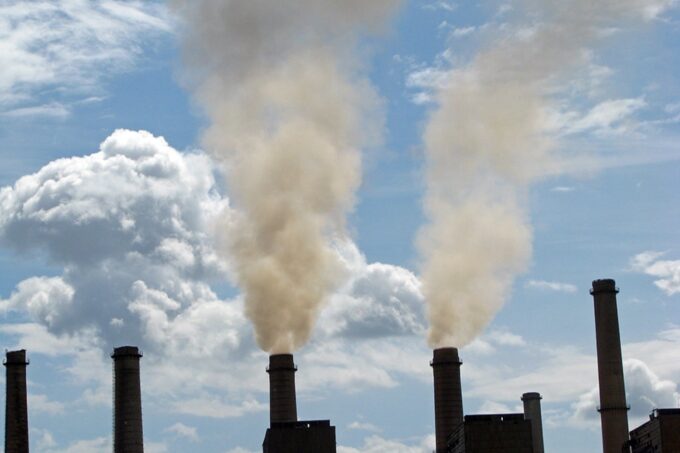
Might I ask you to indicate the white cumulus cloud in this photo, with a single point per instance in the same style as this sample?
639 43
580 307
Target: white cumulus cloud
132 226
667 272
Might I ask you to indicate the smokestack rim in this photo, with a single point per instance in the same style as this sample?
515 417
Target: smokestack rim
443 356
17 357
531 396
126 351
605 285
281 362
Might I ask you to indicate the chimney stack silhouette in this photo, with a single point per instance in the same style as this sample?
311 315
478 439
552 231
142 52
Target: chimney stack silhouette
282 402
127 401
448 395
16 408
613 409
532 412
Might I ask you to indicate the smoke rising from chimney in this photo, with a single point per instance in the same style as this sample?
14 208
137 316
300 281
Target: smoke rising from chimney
487 141
288 114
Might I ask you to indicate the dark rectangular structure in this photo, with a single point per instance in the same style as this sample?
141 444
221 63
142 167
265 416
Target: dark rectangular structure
493 433
613 408
661 434
316 436
448 395
16 407
127 401
282 400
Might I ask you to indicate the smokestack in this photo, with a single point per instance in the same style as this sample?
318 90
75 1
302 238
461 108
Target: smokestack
127 401
282 405
532 412
613 409
448 396
16 409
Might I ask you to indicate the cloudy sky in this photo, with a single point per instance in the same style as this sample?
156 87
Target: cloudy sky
496 156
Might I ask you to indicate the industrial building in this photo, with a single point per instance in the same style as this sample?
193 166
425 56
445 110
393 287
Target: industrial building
454 431
285 433
660 434
493 433
485 433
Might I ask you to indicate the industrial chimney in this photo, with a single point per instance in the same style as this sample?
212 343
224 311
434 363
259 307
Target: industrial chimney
127 401
282 404
613 409
16 409
448 396
532 412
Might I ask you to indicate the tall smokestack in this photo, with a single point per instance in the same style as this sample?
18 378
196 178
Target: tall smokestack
613 409
532 412
282 405
448 396
127 401
16 409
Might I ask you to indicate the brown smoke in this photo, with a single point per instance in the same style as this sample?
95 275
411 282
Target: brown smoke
486 142
288 114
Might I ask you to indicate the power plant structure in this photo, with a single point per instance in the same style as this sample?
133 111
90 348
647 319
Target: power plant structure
448 395
613 408
454 431
16 407
285 433
485 433
127 401
660 434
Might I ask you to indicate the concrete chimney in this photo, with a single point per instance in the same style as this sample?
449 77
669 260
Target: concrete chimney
16 409
127 401
448 396
613 409
532 412
282 404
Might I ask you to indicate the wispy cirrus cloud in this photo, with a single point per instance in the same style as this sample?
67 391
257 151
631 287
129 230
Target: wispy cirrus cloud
552 286
49 50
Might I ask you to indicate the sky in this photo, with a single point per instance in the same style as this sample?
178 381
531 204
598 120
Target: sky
551 128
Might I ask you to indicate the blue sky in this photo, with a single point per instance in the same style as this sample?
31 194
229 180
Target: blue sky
110 234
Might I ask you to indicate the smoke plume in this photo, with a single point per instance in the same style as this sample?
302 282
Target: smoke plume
486 142
288 114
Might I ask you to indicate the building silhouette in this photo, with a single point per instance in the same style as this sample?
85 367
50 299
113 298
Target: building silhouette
661 434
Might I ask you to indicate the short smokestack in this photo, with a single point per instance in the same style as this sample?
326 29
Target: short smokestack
448 396
127 401
16 408
532 412
282 404
613 409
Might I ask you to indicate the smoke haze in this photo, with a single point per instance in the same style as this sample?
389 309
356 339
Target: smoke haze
288 114
486 142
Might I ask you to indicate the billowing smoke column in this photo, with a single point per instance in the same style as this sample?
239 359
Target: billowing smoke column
448 395
16 408
486 142
288 114
613 408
